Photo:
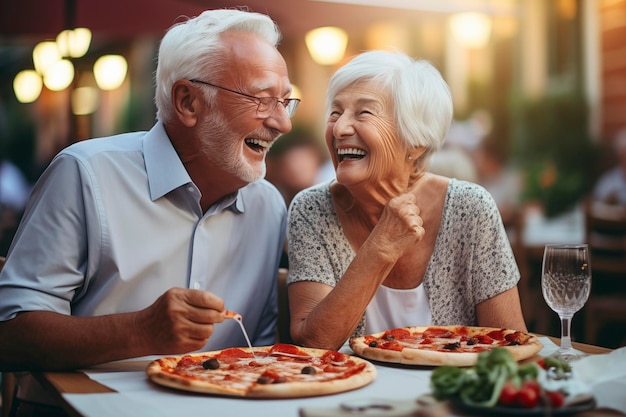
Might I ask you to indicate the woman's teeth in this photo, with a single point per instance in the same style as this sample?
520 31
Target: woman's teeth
350 153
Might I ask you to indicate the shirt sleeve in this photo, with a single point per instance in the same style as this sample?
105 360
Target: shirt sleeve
47 260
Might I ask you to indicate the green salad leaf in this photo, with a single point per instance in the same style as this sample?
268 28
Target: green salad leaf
481 384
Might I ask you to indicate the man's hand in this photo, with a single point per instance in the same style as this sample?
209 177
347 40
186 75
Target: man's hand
180 321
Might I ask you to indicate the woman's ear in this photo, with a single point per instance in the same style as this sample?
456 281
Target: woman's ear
186 101
415 153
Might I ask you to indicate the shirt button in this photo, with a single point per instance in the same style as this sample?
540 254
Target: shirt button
196 285
190 189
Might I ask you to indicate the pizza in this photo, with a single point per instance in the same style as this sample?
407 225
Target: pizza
442 345
277 371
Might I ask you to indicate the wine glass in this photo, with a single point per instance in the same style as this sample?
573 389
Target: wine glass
566 284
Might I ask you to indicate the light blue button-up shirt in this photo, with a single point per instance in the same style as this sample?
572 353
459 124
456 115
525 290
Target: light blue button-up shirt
115 222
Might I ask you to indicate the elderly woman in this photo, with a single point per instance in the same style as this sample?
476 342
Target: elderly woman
388 244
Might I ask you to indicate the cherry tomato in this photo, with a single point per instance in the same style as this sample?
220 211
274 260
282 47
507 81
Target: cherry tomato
508 395
542 363
532 384
556 398
527 396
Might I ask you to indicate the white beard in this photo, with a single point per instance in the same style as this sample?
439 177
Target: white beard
226 152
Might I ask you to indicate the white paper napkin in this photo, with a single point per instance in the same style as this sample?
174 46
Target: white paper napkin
549 347
606 374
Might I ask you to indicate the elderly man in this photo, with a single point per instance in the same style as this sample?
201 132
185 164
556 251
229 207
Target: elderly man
135 244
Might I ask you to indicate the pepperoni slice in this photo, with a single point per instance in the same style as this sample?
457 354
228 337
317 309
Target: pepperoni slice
437 332
234 353
287 348
395 334
496 334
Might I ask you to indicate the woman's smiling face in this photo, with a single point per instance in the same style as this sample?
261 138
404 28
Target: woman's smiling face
361 136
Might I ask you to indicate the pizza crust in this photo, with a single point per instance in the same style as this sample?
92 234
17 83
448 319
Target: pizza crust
430 357
161 371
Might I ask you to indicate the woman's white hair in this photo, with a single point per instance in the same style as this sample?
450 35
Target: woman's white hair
421 98
193 49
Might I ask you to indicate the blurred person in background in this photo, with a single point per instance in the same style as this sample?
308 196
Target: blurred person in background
611 186
453 162
500 179
294 163
389 244
135 244
14 192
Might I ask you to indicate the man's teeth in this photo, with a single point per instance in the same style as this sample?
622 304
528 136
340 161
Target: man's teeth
258 142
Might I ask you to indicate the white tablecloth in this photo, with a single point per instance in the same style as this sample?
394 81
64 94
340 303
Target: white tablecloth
137 396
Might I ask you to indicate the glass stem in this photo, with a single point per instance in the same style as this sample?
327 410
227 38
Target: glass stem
566 341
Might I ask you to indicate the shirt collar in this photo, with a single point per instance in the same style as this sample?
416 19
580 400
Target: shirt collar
166 171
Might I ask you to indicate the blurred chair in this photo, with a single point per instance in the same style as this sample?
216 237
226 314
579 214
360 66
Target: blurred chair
8 379
284 335
536 314
605 231
514 226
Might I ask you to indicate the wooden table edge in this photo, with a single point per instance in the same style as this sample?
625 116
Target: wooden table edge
78 382
583 347
75 382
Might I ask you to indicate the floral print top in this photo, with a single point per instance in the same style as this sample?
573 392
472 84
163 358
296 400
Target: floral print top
472 260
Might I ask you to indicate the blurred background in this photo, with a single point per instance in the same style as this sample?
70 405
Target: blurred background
539 88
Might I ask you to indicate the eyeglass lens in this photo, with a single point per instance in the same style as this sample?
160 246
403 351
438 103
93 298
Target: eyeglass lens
265 105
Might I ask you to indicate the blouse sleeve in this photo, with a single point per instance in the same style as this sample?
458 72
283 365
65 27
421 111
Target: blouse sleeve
317 249
493 266
472 261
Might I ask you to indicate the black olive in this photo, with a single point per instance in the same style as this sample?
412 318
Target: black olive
264 380
211 364
309 370
373 344
471 341
452 346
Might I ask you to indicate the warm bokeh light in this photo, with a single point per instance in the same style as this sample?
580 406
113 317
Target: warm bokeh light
110 71
471 29
387 36
74 43
45 54
84 100
327 44
567 9
505 27
27 86
59 76
295 91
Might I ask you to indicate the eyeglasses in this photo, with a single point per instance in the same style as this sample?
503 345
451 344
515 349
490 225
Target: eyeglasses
265 105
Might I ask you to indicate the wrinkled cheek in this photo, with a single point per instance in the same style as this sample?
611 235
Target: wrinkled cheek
384 162
389 150
376 167
328 136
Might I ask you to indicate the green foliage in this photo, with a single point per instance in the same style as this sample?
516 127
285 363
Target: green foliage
552 146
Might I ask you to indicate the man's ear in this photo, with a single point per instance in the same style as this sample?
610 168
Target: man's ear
186 101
